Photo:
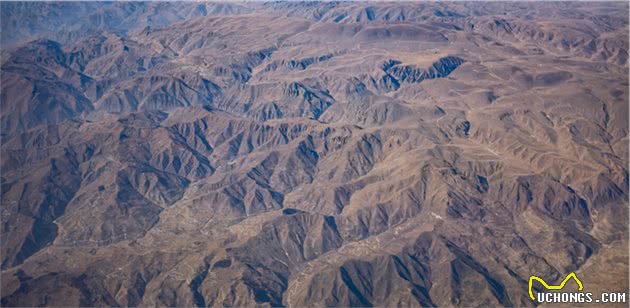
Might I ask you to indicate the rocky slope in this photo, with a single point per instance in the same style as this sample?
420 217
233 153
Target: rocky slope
311 154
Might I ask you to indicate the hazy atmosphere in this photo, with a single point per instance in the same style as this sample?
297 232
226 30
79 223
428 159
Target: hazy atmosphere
312 154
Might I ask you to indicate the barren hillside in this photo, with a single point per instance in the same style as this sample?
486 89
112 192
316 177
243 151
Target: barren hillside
311 153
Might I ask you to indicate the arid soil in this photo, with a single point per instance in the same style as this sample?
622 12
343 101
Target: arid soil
311 154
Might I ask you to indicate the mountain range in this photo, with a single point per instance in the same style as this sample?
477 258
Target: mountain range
311 153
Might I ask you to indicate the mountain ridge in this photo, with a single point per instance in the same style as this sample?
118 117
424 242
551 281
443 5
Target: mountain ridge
311 154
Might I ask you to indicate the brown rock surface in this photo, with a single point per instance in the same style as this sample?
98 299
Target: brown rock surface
311 154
